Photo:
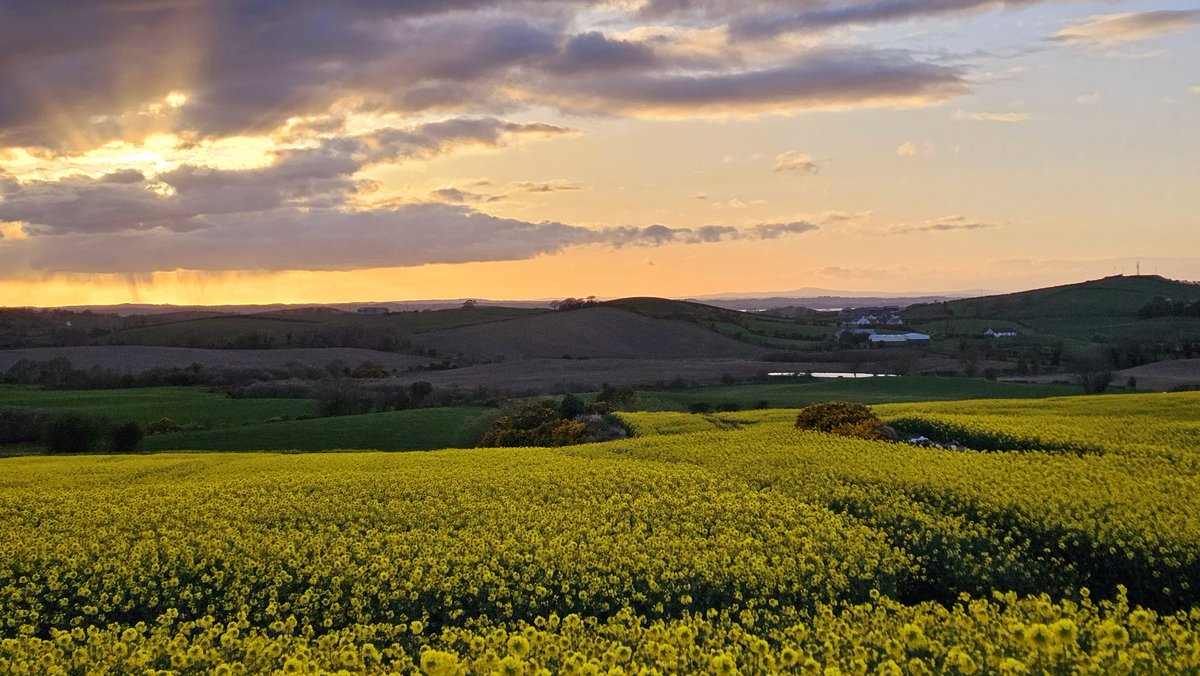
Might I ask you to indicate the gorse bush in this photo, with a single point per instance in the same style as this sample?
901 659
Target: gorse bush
568 422
844 418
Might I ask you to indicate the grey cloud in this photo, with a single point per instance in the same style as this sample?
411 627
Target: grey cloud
456 196
769 18
247 67
311 178
813 16
658 235
594 51
546 186
339 239
948 224
829 77
77 74
324 239
777 230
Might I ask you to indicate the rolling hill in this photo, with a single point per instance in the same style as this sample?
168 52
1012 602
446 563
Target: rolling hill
598 331
1118 296
1080 316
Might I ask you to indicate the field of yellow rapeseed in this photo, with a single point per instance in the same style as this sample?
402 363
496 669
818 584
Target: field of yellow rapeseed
730 544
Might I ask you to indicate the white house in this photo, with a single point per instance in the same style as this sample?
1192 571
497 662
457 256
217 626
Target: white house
1002 333
897 339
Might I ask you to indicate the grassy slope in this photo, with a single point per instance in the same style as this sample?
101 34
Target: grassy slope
216 331
184 405
593 332
1077 316
867 391
417 429
1107 297
766 330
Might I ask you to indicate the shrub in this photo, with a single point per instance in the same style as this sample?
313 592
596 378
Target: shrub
341 397
615 396
546 424
369 369
844 418
73 433
126 437
419 390
20 426
163 426
280 389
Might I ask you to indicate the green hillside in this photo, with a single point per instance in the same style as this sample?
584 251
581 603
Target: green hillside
759 329
1119 296
1069 319
316 327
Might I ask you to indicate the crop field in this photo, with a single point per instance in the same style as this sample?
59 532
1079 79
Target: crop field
409 430
726 544
184 405
861 390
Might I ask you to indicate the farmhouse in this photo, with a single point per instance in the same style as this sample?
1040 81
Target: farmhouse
897 339
1000 333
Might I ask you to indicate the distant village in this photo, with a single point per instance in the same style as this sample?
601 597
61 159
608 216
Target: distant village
870 327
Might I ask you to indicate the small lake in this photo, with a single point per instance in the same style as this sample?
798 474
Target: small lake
828 374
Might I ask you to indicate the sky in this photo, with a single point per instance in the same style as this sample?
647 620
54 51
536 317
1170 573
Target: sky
262 151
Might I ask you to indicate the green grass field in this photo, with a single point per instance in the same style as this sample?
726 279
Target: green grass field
862 390
184 405
416 429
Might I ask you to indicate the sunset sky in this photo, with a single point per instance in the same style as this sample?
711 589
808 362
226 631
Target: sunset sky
192 152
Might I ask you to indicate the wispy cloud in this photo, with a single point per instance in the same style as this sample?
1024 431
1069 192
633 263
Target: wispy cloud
1113 29
913 149
1088 99
797 162
946 224
991 117
546 186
